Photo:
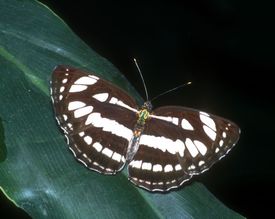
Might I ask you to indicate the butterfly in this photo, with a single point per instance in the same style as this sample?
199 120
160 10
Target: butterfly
106 130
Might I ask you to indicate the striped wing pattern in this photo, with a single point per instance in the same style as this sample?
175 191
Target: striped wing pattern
87 109
100 123
176 144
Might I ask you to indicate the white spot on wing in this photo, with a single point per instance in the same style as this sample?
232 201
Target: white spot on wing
186 125
173 120
163 144
204 113
65 117
75 105
221 143
122 104
211 134
107 152
61 89
97 164
146 166
116 156
178 167
201 147
109 169
60 97
201 163
85 81
81 134
208 121
89 160
191 147
64 81
97 146
157 168
192 167
113 100
77 88
83 111
168 168
101 97
217 150
109 125
224 134
88 140
70 125
136 164
93 76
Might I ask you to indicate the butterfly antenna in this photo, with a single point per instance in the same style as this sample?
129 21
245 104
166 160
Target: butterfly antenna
147 98
168 91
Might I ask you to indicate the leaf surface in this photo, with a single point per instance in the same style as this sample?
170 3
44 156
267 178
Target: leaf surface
37 171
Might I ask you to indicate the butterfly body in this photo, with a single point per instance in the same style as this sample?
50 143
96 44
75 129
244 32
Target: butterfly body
106 130
142 116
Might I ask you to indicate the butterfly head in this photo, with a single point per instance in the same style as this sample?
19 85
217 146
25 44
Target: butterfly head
148 106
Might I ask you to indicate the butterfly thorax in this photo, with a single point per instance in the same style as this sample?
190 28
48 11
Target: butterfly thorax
143 115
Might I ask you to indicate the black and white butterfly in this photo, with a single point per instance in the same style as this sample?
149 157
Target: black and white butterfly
106 130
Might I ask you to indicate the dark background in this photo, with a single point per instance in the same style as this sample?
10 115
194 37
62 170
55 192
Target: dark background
226 48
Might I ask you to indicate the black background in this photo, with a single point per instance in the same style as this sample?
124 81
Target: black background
226 48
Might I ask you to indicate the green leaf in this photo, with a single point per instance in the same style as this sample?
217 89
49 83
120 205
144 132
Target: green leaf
37 171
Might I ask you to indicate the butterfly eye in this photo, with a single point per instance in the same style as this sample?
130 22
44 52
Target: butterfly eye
161 150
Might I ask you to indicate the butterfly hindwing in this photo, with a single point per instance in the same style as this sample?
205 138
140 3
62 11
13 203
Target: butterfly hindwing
177 143
97 118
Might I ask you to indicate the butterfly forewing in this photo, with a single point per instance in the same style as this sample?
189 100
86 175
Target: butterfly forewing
176 144
97 117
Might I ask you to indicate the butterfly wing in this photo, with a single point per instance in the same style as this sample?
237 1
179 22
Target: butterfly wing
178 143
96 117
